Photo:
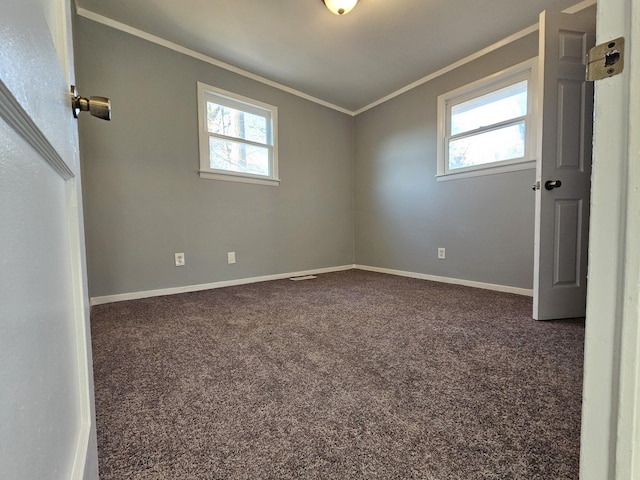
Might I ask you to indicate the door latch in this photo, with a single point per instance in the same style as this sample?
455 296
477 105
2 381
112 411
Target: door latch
605 60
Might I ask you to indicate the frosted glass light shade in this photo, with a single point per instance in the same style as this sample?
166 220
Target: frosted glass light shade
340 7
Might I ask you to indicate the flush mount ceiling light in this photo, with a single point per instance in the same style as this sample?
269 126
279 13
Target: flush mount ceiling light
340 7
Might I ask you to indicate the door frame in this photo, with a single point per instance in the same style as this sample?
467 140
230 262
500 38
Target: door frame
610 437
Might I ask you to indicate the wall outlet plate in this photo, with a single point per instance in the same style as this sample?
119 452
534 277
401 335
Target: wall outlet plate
441 253
179 257
231 257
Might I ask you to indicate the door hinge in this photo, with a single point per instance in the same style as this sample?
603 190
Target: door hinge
605 60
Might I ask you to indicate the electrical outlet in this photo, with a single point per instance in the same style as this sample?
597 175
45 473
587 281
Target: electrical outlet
441 253
179 259
231 257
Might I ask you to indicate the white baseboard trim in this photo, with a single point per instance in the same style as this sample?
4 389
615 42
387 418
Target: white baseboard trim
456 281
279 276
208 286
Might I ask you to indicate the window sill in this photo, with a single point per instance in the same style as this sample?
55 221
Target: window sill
514 167
230 177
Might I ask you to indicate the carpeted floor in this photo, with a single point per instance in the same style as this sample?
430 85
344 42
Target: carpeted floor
352 375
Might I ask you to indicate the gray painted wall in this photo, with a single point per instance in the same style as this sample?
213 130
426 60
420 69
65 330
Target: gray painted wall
144 200
403 214
374 176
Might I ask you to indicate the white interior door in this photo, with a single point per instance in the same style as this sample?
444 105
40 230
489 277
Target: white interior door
563 172
46 421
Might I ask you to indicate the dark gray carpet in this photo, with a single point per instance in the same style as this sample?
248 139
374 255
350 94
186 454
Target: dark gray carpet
351 375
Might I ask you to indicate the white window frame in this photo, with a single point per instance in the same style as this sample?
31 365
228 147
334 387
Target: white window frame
229 99
526 70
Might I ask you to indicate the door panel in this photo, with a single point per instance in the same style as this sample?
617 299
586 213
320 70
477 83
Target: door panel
565 109
46 401
38 372
567 235
571 100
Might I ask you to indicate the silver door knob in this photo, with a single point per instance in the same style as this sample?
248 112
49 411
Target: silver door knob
97 106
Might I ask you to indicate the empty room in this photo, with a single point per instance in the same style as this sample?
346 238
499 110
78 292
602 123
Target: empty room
319 239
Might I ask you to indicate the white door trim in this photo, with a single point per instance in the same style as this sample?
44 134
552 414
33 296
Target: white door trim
628 415
610 440
20 121
81 313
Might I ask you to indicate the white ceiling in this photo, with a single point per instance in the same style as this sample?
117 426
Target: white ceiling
349 61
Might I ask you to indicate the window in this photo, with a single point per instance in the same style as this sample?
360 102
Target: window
487 126
237 137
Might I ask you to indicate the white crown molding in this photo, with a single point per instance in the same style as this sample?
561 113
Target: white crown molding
474 56
219 63
580 6
202 57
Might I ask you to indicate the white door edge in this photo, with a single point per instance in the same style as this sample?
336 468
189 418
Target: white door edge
81 312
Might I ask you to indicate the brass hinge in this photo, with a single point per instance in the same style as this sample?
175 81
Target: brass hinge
605 60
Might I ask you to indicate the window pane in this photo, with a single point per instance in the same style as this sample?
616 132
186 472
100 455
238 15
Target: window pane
238 157
506 143
236 123
498 106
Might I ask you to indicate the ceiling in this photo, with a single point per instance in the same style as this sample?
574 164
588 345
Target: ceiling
349 61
